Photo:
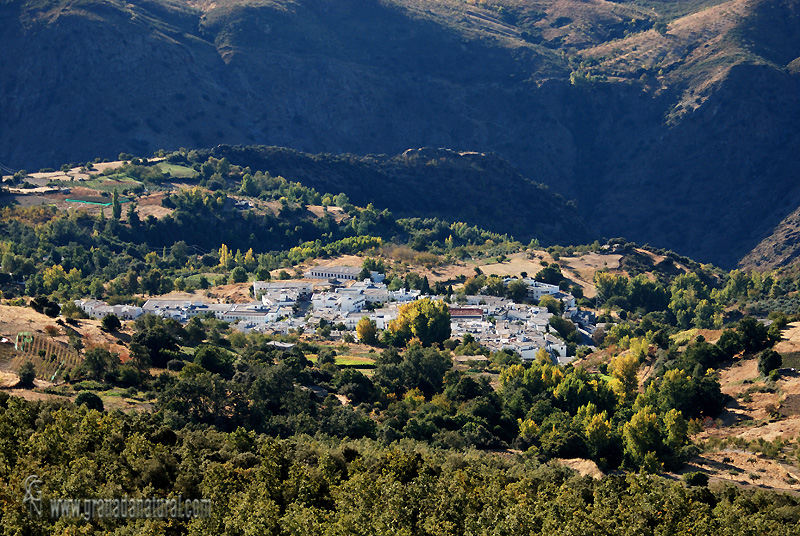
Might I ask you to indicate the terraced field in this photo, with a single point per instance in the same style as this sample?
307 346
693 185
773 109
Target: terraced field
51 359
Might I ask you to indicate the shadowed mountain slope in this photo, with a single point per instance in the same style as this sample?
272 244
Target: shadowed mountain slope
475 188
668 123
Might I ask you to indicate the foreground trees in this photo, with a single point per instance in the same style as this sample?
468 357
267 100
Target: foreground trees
299 486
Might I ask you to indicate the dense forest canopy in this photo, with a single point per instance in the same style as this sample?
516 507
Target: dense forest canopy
259 484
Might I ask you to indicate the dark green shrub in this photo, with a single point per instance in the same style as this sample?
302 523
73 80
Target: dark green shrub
90 400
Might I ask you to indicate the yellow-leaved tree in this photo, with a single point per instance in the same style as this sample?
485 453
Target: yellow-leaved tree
623 369
425 319
367 330
224 255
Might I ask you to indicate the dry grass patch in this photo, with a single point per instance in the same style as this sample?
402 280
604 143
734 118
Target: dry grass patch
582 466
335 212
231 293
746 469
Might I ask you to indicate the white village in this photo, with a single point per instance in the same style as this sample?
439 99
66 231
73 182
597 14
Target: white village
333 296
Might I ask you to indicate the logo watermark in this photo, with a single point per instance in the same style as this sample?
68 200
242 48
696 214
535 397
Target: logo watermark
114 508
33 495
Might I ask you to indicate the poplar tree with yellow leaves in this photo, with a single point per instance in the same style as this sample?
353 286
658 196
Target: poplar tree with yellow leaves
224 255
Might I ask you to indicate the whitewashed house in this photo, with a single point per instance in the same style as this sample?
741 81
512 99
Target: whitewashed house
537 289
334 301
403 295
100 309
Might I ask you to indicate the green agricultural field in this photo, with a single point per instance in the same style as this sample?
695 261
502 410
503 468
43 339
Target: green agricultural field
176 171
106 184
350 361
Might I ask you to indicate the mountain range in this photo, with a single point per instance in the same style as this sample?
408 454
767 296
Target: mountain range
668 123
